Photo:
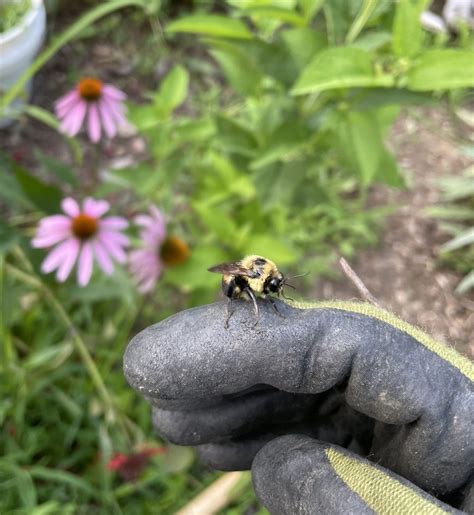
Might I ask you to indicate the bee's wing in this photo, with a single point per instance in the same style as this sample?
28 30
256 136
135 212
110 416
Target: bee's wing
233 269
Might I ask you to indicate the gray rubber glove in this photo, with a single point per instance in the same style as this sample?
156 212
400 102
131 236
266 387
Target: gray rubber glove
344 381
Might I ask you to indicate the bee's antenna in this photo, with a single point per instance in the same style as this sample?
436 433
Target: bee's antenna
290 285
299 275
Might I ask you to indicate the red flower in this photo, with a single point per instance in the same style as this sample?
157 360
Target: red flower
130 466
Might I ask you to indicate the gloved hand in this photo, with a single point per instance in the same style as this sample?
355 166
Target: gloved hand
340 407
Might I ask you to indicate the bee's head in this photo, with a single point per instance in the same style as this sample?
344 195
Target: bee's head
275 284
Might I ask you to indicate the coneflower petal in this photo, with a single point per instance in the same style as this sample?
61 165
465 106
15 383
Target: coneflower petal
93 123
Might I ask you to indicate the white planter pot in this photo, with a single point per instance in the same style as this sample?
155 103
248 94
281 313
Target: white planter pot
18 47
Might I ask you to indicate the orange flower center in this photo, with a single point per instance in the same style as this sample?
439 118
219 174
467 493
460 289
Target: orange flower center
174 251
90 89
84 226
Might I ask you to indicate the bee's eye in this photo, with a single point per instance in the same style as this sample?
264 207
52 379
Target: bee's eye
274 284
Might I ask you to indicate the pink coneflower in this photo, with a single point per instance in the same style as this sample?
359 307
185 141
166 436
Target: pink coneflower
81 236
101 104
129 466
158 251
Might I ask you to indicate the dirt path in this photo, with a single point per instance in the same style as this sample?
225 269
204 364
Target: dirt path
402 272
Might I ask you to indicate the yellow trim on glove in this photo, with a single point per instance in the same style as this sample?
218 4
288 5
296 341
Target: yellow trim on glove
463 364
382 493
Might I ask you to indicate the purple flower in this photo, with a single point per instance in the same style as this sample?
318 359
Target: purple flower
98 103
158 250
81 235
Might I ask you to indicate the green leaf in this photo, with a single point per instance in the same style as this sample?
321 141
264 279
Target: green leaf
43 196
341 67
442 69
173 91
464 239
310 8
276 250
233 136
222 225
366 10
378 97
286 142
10 191
238 67
276 13
466 284
62 171
193 273
211 25
372 40
360 143
61 476
407 30
8 237
303 43
388 171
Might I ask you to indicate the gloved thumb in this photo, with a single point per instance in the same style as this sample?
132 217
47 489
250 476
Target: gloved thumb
296 474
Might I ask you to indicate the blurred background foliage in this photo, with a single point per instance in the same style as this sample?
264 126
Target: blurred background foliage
265 131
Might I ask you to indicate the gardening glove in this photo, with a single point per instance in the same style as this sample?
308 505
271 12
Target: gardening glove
338 407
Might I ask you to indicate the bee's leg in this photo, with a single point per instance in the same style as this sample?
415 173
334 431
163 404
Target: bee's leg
229 312
272 302
252 297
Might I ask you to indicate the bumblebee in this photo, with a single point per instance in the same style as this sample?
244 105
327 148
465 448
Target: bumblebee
251 276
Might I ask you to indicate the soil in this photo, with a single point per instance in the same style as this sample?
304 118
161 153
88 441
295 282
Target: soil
403 272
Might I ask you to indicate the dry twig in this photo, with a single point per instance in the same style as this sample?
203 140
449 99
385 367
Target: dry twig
363 290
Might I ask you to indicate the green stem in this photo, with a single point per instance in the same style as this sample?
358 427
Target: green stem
77 340
361 19
6 336
70 33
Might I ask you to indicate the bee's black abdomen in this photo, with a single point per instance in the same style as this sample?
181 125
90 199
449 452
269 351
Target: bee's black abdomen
232 286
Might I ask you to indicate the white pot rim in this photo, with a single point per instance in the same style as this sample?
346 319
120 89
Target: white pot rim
24 23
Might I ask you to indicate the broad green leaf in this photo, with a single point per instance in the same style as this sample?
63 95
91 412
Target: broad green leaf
239 68
360 143
222 225
272 248
310 8
276 13
44 196
341 67
211 25
407 31
285 143
388 171
144 117
173 91
378 97
62 171
187 130
442 69
234 137
303 43
372 40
